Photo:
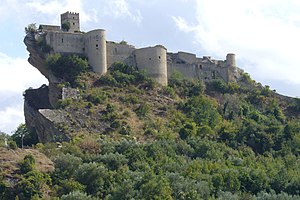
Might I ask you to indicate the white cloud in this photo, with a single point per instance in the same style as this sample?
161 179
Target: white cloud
263 34
27 10
10 118
121 8
183 25
16 76
56 7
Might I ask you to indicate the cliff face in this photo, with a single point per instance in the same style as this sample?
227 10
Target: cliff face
40 117
39 103
36 57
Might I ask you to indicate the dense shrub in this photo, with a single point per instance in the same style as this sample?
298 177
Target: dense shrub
121 75
65 166
31 184
67 67
77 195
27 164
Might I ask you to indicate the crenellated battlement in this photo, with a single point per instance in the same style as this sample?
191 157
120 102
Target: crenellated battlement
70 22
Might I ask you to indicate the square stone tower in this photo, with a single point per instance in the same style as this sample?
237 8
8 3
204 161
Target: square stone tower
70 22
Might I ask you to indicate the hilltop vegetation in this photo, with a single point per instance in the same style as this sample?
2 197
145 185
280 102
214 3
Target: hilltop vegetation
133 139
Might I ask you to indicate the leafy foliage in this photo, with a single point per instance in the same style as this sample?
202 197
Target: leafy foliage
31 28
28 164
66 26
77 195
122 75
24 136
67 67
188 140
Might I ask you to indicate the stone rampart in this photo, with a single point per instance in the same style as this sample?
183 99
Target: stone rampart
64 42
118 53
95 50
153 60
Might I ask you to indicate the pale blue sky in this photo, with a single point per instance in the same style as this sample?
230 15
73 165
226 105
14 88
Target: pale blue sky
264 35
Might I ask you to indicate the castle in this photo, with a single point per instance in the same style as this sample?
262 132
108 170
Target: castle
155 61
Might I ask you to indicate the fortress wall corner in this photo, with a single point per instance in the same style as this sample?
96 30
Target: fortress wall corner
95 50
153 60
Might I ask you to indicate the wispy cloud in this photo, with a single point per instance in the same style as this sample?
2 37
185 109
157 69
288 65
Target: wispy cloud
45 9
263 34
121 8
183 25
56 7
16 76
10 118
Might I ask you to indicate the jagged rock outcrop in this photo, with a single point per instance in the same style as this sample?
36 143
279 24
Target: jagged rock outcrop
41 118
36 57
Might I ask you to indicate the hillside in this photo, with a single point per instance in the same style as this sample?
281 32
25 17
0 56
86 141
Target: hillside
129 137
123 135
9 160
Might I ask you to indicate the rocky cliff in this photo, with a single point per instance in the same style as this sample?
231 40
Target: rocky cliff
39 104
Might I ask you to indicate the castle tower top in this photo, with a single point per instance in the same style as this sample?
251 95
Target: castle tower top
70 22
230 59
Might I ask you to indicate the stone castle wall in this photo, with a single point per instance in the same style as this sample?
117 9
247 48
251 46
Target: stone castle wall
119 53
153 60
64 42
203 68
95 50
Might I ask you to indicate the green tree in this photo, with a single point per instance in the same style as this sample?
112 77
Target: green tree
186 188
253 180
27 164
66 26
231 180
113 161
94 177
31 184
67 67
202 110
77 195
188 130
31 28
65 166
69 185
156 187
220 85
4 189
24 137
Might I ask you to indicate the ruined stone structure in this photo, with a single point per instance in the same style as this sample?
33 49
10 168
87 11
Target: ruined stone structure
155 61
